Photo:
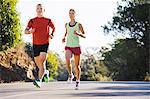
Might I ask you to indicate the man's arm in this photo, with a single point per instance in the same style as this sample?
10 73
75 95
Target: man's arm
53 27
27 30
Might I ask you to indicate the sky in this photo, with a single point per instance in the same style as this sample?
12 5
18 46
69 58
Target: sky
92 14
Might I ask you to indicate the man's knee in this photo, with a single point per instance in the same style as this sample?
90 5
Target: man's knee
43 57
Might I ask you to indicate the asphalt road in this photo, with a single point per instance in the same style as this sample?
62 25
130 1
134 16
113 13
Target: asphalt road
88 90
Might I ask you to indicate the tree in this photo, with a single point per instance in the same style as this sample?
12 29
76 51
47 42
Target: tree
62 71
10 33
125 61
133 19
93 69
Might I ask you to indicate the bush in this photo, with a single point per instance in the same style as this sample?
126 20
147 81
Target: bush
52 65
93 70
10 33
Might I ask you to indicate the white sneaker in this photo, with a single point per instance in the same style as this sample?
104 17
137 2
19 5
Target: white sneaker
70 78
77 86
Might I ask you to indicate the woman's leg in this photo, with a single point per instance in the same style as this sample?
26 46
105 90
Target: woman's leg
77 67
68 55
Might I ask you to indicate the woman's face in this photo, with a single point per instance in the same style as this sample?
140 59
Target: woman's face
39 9
72 14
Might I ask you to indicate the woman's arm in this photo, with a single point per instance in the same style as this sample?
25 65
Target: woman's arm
82 31
64 38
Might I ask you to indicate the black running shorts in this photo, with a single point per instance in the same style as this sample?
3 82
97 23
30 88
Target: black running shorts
40 48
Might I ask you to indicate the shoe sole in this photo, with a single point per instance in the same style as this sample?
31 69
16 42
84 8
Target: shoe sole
70 81
76 88
34 83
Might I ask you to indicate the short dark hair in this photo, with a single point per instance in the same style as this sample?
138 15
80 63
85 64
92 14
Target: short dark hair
39 4
72 10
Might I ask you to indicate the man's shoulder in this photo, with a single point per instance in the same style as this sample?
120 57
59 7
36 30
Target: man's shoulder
47 18
33 18
36 18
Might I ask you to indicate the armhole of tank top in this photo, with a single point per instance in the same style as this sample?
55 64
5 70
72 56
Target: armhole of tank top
67 25
78 26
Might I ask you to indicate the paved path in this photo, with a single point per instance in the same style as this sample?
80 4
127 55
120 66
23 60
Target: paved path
88 90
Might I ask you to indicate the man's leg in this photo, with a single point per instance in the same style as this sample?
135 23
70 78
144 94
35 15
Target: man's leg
40 61
37 81
40 53
36 59
41 66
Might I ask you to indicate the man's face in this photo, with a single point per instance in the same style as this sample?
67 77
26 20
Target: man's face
39 9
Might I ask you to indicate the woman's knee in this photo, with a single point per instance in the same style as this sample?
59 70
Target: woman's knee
77 67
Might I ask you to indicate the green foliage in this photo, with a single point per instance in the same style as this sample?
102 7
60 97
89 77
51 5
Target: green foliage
131 18
129 58
10 33
62 71
52 65
93 69
125 61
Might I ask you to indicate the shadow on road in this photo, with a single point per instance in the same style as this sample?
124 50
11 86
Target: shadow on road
125 88
143 90
108 94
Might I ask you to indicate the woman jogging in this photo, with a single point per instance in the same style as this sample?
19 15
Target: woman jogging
74 30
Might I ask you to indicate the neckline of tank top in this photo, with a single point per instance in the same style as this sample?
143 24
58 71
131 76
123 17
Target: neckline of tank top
72 25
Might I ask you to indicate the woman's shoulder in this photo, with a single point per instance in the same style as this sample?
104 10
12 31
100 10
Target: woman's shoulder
66 24
79 23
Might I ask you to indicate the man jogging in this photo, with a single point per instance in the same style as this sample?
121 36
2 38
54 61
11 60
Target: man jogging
39 27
